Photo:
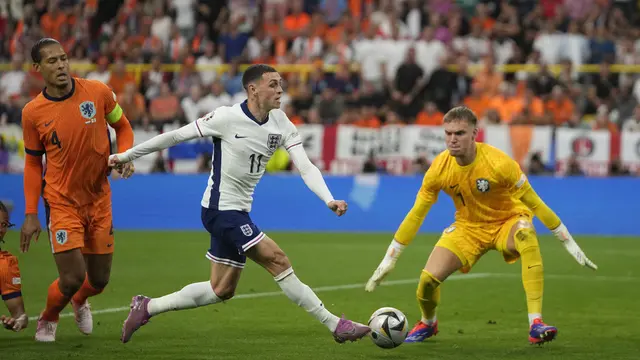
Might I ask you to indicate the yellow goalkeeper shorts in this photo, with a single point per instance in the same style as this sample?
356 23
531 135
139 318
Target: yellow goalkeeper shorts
470 241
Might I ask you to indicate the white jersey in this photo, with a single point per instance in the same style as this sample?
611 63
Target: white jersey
242 146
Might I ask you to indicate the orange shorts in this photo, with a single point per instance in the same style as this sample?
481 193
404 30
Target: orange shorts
10 283
88 227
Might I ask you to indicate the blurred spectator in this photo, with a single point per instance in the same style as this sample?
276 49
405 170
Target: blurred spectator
232 79
430 115
602 121
4 157
601 46
132 103
633 123
12 82
409 81
506 103
186 78
559 106
216 98
191 105
477 101
165 107
617 169
120 77
537 167
573 167
543 82
102 72
329 106
488 79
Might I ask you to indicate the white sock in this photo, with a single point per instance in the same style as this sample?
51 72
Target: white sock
189 297
533 317
304 297
429 321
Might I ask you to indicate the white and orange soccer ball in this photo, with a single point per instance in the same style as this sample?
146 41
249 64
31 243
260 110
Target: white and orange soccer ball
389 327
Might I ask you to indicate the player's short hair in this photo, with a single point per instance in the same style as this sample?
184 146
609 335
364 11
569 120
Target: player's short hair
461 113
36 56
254 73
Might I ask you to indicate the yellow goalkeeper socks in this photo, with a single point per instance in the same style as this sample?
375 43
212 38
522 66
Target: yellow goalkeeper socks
526 243
428 295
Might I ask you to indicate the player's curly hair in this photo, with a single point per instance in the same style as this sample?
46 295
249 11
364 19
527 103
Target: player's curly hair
461 113
254 73
36 56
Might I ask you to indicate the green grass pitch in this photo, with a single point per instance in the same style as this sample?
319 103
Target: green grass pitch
482 315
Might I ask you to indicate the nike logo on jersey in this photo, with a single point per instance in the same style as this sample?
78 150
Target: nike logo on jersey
453 186
48 123
240 137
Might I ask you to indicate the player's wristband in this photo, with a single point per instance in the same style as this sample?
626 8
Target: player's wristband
562 233
394 250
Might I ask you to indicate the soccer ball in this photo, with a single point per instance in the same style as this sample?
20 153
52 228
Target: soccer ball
389 327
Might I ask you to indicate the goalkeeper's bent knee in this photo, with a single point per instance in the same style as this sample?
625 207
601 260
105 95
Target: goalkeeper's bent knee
525 239
427 286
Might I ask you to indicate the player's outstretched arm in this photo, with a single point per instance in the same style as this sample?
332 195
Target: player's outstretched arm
157 143
18 319
403 237
409 227
210 125
313 179
549 218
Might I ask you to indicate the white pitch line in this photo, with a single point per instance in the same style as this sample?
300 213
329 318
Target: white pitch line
317 289
392 283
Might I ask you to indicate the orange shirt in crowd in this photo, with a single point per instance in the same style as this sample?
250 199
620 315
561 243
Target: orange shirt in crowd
425 118
561 110
477 104
369 122
507 108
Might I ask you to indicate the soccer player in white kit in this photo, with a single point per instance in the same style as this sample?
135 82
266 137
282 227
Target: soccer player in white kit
244 136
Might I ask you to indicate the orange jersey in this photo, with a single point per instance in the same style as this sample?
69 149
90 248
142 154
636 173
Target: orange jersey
485 192
72 133
10 282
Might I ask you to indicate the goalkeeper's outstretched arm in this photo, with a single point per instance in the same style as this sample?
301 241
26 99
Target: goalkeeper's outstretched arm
405 233
549 218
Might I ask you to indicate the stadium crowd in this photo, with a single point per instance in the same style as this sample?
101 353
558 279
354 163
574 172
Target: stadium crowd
364 62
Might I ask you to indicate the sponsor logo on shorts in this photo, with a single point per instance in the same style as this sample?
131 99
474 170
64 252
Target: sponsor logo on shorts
246 230
61 237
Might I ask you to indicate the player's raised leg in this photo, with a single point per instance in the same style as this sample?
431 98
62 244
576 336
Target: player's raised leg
522 240
269 255
441 264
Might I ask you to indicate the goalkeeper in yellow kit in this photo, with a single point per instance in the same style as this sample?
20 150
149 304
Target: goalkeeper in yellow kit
495 205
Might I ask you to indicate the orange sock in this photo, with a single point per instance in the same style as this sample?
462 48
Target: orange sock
86 291
56 301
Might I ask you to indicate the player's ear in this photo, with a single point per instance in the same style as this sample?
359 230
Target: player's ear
253 88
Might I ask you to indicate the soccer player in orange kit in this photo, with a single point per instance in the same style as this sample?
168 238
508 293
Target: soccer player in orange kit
67 122
10 282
